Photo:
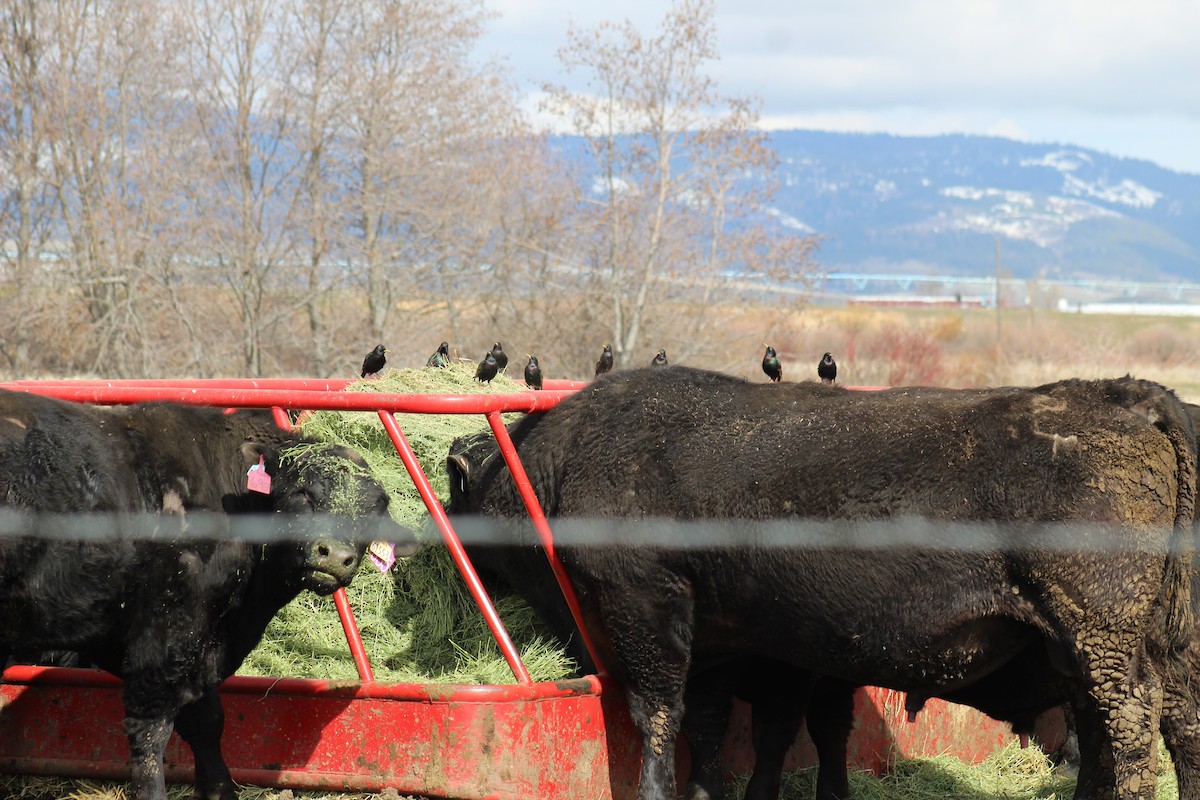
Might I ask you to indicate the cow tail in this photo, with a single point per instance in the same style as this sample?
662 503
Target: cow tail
1177 585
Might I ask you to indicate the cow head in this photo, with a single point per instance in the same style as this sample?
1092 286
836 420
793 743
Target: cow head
333 508
468 458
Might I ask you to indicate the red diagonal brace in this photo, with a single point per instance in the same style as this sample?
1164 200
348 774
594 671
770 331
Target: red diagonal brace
534 507
474 585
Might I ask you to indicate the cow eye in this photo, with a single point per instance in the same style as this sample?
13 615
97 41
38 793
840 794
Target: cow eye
303 499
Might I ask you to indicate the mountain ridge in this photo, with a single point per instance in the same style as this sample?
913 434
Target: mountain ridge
938 205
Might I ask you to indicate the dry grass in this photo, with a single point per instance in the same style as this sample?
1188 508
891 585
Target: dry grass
17 787
962 347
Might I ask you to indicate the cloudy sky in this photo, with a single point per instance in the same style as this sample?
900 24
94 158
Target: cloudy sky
1121 76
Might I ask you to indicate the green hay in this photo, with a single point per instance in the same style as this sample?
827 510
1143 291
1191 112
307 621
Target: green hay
418 622
1010 772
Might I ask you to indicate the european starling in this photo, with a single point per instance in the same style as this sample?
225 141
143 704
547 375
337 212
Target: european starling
498 354
374 361
441 358
487 368
533 374
660 359
827 368
771 364
606 361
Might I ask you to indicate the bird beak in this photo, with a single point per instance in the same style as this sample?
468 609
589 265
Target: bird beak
766 345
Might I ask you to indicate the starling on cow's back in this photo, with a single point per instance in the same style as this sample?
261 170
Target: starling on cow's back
606 361
374 361
441 358
487 368
533 373
771 365
827 368
498 354
660 359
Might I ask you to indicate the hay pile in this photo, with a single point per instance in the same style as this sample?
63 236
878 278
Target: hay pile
418 622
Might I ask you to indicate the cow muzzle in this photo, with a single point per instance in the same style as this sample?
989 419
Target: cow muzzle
330 565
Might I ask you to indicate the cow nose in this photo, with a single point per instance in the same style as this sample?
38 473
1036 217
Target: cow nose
334 557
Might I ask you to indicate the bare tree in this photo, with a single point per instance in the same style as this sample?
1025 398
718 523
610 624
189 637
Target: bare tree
245 123
664 216
25 213
419 110
316 31
103 95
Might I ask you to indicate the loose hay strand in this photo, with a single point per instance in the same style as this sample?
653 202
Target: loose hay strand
418 622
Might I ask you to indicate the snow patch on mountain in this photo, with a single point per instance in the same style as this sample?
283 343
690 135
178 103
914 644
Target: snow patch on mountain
1061 160
1127 192
1017 215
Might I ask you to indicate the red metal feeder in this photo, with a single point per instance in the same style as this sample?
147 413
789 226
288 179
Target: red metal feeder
559 741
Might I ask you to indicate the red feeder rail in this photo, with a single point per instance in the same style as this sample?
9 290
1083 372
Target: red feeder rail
559 741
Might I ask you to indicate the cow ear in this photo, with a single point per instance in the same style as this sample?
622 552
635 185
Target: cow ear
458 466
252 451
458 470
350 454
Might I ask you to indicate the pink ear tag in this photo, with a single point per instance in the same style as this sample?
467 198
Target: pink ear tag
257 479
383 555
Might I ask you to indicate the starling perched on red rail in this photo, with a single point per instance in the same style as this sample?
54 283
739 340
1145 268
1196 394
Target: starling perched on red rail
441 358
487 368
533 374
827 368
499 355
606 361
660 359
374 361
771 365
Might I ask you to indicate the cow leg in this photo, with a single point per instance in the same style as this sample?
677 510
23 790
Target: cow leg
830 718
708 699
1095 775
778 694
1181 727
775 724
201 724
148 738
1127 695
651 634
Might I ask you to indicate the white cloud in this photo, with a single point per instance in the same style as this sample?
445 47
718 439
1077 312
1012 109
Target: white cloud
1110 74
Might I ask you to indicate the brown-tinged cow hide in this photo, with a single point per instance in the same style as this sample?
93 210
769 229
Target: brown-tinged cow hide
1118 455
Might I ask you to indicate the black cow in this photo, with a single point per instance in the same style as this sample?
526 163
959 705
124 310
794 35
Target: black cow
1119 455
172 618
781 697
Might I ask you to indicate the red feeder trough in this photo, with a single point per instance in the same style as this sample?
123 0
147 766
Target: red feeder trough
558 741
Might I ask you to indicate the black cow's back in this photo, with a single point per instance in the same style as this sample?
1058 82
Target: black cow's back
51 452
